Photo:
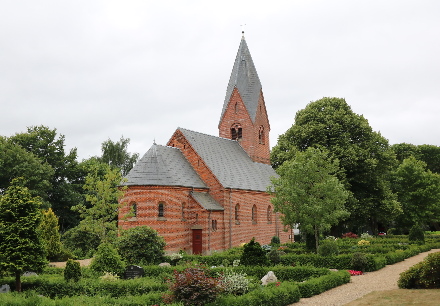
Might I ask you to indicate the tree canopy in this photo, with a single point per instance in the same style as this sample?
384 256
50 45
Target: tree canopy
115 154
309 193
364 157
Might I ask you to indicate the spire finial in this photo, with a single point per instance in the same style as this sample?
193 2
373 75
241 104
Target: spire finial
154 141
242 29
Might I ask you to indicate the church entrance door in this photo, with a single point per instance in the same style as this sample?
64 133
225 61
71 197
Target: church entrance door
197 241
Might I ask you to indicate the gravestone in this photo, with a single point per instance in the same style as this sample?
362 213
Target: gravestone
269 278
133 272
165 264
5 288
29 273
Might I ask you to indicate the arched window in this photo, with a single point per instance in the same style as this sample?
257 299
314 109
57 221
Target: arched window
134 209
254 214
214 225
236 107
269 214
160 209
236 132
237 210
261 135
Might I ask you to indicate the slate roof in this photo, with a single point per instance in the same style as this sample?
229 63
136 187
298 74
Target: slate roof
229 162
244 76
206 201
163 166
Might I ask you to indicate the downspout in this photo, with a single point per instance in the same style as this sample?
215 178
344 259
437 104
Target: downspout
230 218
209 232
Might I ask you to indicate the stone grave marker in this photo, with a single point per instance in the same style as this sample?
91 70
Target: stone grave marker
5 288
133 272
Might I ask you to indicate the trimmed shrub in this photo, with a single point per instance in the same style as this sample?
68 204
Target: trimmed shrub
253 254
275 240
328 248
424 275
72 271
141 245
274 257
318 285
359 261
107 259
416 234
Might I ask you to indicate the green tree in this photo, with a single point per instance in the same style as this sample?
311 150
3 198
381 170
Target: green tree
141 245
115 154
17 162
67 179
107 259
50 235
430 154
364 157
308 192
99 214
418 191
21 248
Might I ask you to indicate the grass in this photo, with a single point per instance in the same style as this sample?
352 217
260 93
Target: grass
399 297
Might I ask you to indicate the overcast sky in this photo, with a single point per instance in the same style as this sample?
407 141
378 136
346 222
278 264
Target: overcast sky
96 70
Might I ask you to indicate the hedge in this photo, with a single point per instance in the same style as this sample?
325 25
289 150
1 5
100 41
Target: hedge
323 283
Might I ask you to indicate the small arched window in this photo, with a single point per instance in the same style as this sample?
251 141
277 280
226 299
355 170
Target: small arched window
269 214
254 214
161 209
236 107
237 213
214 225
261 135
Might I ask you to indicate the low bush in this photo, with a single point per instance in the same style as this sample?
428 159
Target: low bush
424 275
416 234
107 259
234 282
323 283
253 254
279 294
193 286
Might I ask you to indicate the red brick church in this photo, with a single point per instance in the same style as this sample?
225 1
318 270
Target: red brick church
204 193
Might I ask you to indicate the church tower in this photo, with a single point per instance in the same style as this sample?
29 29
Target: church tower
244 116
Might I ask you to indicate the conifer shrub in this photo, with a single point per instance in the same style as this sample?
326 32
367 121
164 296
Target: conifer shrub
253 254
275 240
416 234
107 259
328 248
72 272
274 257
359 261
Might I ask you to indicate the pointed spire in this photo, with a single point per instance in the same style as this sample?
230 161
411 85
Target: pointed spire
244 77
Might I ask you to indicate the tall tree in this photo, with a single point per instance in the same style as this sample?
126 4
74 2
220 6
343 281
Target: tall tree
21 248
67 179
99 213
364 156
17 162
115 154
418 190
309 193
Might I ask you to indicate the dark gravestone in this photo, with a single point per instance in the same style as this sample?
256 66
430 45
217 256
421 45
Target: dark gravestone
133 272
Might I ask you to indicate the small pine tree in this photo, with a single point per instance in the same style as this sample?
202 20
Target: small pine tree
253 254
107 259
50 235
275 240
72 271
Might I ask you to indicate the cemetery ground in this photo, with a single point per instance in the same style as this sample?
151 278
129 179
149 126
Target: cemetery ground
301 277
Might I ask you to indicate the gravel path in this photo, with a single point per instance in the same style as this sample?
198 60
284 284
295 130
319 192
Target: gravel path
383 279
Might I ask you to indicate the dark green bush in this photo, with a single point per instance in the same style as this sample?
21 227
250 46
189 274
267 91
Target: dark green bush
253 255
72 271
328 248
359 262
416 234
274 257
141 245
275 240
107 259
409 278
323 283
